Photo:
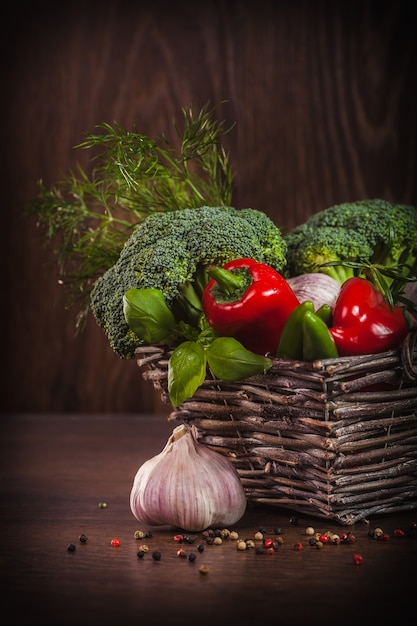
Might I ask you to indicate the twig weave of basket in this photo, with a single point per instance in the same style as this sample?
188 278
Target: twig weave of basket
335 438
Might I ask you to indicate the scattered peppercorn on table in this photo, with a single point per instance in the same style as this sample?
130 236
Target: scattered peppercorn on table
72 552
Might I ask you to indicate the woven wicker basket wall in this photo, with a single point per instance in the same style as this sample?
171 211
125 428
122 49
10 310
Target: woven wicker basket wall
336 438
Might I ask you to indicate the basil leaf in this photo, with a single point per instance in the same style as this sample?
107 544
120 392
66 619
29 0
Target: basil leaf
148 315
186 371
229 360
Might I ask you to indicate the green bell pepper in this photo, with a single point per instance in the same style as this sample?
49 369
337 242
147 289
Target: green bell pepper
306 336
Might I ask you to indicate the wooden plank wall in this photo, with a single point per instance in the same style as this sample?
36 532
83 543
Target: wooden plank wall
324 96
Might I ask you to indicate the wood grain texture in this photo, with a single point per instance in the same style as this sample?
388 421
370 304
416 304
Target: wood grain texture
323 95
56 469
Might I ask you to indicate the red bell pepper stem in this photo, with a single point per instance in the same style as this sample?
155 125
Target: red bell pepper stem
249 301
364 323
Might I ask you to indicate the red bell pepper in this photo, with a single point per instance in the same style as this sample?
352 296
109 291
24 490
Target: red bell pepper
249 301
364 323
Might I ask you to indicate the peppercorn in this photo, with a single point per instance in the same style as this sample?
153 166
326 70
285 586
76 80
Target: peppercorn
139 534
156 555
323 538
398 532
258 536
181 553
268 543
259 551
200 547
192 557
115 543
357 559
144 548
71 547
319 545
241 545
277 531
217 541
298 546
189 539
250 543
140 554
203 569
83 538
309 530
102 505
293 520
234 535
178 538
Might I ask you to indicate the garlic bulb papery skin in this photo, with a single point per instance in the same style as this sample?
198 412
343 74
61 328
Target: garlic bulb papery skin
188 486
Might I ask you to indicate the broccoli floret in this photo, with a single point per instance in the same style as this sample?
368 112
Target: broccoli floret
373 231
171 251
308 248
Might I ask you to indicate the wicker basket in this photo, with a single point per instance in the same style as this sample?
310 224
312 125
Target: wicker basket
336 438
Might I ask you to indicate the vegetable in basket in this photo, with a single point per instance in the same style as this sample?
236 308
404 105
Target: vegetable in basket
147 315
365 323
249 301
366 231
306 336
171 252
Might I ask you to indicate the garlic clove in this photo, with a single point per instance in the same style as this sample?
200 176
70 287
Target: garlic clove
187 485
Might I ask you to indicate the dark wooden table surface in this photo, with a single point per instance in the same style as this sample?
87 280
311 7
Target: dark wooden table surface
57 469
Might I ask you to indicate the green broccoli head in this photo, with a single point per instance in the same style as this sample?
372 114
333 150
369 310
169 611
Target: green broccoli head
367 230
170 251
309 248
390 229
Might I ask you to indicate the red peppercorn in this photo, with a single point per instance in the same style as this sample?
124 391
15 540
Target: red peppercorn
178 538
115 543
357 559
298 546
324 538
268 543
398 532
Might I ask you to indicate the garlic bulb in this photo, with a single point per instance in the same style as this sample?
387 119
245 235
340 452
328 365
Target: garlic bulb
317 287
187 485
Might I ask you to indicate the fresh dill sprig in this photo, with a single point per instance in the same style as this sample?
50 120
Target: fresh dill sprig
91 215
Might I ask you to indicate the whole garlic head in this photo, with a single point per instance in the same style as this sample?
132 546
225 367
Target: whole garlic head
187 485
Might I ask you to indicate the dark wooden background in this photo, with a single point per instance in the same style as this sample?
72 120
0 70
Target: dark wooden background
324 96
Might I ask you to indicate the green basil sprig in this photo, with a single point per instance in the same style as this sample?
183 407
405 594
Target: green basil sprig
149 317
